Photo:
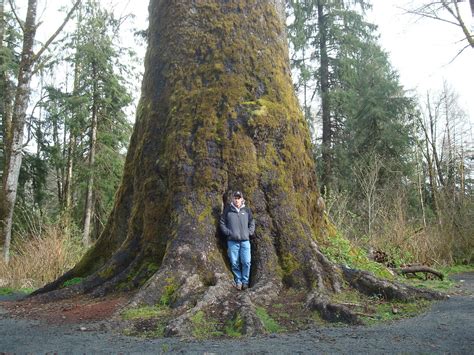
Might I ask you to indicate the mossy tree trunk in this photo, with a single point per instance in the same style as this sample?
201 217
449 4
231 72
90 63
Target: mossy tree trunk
217 113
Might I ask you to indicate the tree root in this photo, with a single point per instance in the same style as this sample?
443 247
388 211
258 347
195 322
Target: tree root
332 312
367 283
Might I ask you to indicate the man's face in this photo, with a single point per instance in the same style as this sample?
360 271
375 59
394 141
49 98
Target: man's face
237 201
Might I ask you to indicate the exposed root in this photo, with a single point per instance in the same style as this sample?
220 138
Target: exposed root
371 285
56 284
230 302
332 312
265 292
252 324
324 265
182 325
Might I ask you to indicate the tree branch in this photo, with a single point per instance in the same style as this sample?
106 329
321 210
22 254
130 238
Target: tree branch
55 34
459 53
433 17
466 31
419 268
16 16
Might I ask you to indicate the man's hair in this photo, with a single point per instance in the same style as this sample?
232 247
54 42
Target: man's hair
237 194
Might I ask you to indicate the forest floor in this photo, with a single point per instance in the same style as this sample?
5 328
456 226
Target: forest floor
77 326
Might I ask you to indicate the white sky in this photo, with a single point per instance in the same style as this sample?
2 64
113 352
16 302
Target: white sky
421 50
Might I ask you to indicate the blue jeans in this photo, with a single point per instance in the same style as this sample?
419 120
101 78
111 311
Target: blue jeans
239 256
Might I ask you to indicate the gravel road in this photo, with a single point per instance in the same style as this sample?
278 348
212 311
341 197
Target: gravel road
447 328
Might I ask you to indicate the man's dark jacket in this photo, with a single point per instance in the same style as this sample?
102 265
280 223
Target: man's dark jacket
237 225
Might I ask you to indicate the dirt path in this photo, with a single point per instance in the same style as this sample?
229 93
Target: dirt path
447 328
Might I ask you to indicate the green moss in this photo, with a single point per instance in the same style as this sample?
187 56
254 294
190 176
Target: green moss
289 264
169 292
74 281
233 327
145 312
203 327
340 250
270 325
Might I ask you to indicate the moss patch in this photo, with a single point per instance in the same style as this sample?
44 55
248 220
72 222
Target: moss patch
73 281
233 327
204 327
340 250
169 292
270 325
145 312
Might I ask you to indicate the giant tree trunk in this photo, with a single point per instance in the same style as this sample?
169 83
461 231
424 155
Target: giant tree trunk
217 113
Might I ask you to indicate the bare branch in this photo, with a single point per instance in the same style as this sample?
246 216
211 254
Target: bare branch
459 53
55 34
16 16
436 9
430 16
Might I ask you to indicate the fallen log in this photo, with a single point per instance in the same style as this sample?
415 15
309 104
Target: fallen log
419 268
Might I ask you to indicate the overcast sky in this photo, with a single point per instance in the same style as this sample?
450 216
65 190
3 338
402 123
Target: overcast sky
421 50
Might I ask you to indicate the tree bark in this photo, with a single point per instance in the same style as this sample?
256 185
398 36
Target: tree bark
89 204
71 146
4 105
217 113
58 165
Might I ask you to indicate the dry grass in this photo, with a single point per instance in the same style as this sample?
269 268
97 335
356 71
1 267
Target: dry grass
37 259
403 236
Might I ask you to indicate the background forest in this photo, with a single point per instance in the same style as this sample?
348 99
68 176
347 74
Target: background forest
395 170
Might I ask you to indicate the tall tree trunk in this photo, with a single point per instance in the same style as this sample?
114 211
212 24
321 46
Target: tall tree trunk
67 191
58 162
420 181
3 74
326 175
89 201
71 146
15 141
4 103
217 113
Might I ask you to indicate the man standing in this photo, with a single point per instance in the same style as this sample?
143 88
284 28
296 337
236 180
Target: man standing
238 225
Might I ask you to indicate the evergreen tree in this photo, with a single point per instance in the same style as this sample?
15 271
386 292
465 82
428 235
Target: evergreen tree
92 118
319 32
364 110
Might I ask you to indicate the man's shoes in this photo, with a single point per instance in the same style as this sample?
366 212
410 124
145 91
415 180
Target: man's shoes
238 286
244 287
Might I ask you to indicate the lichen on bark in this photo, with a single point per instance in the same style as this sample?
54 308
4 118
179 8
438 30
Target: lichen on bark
217 113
